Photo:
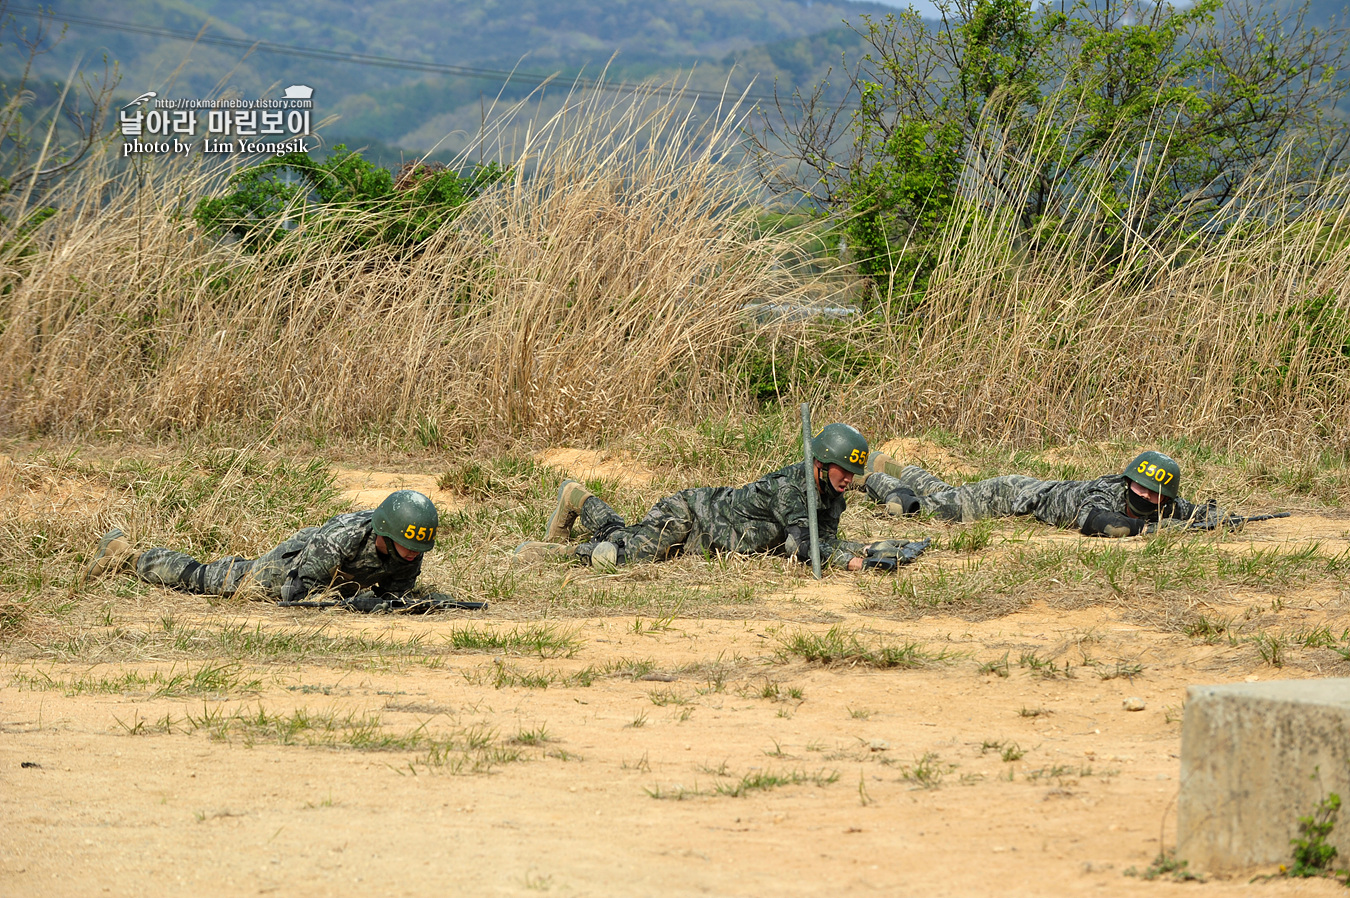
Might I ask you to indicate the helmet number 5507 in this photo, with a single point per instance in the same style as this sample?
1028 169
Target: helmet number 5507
1153 472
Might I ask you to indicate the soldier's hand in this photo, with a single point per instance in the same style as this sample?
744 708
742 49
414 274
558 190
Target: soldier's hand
366 602
889 554
1105 522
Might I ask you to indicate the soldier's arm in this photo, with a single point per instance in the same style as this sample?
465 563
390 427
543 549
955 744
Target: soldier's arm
790 509
1101 512
400 585
334 543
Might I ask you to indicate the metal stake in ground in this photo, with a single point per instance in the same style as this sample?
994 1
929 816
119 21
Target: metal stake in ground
810 489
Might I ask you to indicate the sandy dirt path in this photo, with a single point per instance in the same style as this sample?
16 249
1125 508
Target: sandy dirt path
942 780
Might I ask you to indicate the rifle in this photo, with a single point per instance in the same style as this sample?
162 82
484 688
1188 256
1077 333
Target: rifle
1214 522
1235 520
367 602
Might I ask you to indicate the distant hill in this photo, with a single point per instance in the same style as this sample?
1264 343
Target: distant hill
793 41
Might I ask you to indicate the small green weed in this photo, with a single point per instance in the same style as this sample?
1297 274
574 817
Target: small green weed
927 771
1165 864
838 646
1313 856
973 538
764 780
998 667
538 736
1122 669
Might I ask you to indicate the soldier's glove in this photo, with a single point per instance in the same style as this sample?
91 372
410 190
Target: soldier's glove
293 590
367 602
902 501
1105 522
888 554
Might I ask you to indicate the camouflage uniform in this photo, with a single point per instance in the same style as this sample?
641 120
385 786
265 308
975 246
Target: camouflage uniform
1063 503
769 515
341 554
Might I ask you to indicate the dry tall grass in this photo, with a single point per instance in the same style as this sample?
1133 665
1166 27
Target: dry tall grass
1236 336
601 288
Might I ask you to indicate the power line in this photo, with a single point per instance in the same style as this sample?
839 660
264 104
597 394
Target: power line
364 59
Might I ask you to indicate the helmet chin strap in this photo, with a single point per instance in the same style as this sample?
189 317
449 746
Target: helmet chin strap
827 490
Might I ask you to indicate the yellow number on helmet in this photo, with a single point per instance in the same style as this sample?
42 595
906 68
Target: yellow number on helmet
1142 465
421 534
1160 476
410 533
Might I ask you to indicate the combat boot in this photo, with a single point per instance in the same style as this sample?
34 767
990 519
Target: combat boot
533 550
571 496
877 461
114 553
902 502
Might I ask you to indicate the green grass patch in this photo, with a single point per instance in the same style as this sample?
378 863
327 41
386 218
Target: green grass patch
209 679
764 780
461 750
838 646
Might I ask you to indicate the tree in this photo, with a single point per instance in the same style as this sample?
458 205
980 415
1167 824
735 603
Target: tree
345 198
1133 117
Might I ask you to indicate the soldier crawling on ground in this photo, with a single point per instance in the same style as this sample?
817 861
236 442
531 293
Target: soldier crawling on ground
363 560
1142 498
767 516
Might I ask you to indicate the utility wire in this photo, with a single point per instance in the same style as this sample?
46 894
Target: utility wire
364 59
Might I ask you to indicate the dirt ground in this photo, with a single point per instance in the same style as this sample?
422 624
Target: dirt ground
941 780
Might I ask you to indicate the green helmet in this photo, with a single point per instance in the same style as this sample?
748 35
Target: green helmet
1157 472
409 519
839 444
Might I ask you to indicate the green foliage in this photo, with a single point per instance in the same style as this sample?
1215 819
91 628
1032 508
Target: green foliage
1312 855
839 646
1097 120
343 198
898 205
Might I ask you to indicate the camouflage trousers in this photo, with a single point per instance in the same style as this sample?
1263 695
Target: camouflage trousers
992 498
225 577
671 527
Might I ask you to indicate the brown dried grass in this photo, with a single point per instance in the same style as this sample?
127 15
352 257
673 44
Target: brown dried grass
598 288
600 292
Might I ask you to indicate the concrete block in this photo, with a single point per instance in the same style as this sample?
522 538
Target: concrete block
1254 758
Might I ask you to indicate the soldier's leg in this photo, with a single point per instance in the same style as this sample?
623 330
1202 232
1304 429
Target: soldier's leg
598 519
900 494
178 570
606 527
665 529
657 536
992 498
